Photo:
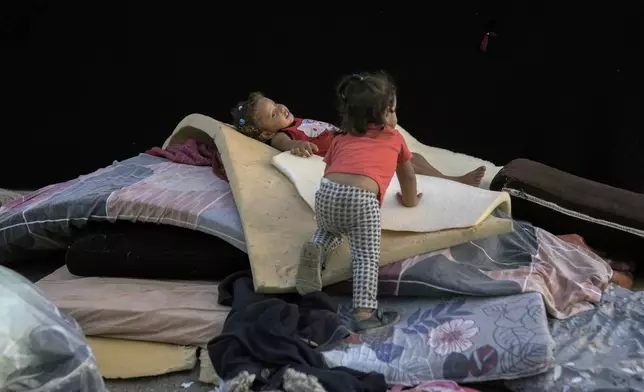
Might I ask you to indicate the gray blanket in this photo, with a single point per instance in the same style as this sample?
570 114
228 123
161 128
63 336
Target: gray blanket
600 350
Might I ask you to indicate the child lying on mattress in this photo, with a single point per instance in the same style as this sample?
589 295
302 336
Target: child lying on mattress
360 163
262 119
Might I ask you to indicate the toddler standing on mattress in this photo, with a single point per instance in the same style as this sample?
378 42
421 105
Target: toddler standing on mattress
360 164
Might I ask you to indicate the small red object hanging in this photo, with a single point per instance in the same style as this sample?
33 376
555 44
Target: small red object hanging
486 40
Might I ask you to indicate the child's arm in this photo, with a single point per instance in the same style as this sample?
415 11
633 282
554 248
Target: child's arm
297 147
409 196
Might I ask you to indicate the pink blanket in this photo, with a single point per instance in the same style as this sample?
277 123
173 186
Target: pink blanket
188 153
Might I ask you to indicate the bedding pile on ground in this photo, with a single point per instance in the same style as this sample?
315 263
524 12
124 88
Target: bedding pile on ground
501 300
166 322
174 312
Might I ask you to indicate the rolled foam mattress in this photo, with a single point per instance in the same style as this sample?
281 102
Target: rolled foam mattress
609 218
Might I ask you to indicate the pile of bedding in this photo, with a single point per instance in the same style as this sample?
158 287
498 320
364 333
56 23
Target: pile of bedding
149 240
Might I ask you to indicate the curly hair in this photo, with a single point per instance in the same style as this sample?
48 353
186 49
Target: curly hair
245 117
363 101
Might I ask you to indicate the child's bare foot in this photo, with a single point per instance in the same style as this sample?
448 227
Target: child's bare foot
474 177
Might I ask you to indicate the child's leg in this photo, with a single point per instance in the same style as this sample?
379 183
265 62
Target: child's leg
422 167
313 260
325 239
365 256
328 240
364 241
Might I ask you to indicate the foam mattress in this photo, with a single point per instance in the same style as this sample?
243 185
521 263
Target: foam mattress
175 312
120 358
445 204
277 221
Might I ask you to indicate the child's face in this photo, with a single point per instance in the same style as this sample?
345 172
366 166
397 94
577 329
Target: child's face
390 116
271 116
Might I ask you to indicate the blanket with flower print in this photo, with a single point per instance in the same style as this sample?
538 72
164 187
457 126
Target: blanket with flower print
464 339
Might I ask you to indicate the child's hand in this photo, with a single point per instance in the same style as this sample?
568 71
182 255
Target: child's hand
414 203
304 149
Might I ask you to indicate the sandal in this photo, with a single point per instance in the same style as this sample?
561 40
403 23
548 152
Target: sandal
377 320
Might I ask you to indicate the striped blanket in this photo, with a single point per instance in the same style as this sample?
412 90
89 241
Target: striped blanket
144 188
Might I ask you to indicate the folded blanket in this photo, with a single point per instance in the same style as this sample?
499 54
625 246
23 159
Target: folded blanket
190 152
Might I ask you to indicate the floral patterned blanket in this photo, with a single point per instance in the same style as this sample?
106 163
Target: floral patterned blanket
464 339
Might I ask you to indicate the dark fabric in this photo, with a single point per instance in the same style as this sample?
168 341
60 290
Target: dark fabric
151 251
266 334
594 199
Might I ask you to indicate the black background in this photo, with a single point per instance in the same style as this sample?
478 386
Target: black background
86 84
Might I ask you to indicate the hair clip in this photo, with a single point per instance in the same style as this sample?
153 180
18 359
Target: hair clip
242 122
357 77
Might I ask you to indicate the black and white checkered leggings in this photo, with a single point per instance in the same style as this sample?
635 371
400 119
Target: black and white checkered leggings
351 211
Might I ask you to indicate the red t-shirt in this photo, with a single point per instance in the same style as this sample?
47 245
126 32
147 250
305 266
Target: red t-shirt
375 155
316 132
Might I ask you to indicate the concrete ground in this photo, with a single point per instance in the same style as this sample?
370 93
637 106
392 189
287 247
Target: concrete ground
175 382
